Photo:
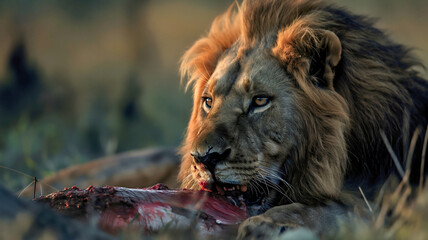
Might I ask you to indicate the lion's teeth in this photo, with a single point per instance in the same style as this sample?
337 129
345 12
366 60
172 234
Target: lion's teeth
219 190
229 189
223 189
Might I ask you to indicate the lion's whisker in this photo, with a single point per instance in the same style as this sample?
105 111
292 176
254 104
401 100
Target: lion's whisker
288 185
256 186
274 175
264 179
274 185
269 183
281 191
252 188
259 187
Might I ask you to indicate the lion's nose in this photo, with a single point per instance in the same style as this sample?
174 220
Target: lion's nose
210 159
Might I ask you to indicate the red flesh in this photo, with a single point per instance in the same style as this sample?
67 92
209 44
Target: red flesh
204 186
150 209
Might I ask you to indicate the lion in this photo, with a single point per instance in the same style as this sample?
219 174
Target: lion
294 104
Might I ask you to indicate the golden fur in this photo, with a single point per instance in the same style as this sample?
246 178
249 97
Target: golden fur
362 85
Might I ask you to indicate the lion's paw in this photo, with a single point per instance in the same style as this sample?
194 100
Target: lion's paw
262 227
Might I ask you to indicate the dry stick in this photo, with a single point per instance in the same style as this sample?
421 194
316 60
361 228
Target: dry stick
365 199
405 132
402 200
381 216
22 173
385 206
31 183
424 150
394 228
54 188
379 198
35 187
412 149
409 158
398 208
403 184
391 152
11 169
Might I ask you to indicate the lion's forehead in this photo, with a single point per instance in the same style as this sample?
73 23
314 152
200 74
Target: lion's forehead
244 75
227 73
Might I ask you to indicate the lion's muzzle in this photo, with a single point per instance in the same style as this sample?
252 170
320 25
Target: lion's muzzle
211 158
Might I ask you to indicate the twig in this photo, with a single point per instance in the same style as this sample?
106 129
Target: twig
11 169
412 148
402 200
424 150
405 132
31 183
54 188
365 199
35 188
393 156
22 173
381 216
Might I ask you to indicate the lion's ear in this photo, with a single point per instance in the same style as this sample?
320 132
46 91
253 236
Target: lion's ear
325 59
310 52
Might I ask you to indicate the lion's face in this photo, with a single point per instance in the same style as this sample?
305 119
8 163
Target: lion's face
248 123
267 126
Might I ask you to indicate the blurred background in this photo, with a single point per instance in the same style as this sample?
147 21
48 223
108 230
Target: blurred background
84 79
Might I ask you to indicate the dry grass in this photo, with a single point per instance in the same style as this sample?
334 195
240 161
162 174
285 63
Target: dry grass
400 210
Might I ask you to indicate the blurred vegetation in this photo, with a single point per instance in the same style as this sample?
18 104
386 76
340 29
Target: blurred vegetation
84 79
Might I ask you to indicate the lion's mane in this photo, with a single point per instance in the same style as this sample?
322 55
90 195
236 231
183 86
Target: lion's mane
377 89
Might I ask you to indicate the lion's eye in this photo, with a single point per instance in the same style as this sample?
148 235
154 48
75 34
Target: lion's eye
260 101
207 103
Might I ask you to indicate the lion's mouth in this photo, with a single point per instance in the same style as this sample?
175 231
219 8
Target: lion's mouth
239 195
